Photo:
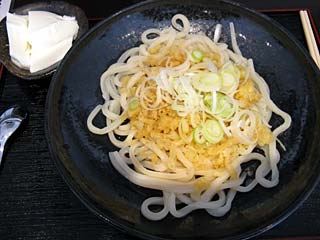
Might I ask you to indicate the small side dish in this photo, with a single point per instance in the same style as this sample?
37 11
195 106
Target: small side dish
40 39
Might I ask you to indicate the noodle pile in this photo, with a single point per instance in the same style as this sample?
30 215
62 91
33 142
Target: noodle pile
185 112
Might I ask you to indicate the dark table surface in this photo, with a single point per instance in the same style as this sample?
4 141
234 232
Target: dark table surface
35 203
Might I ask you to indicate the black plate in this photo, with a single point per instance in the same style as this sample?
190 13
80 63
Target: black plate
58 7
82 157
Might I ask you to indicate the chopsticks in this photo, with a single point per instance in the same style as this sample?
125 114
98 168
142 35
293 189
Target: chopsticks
312 45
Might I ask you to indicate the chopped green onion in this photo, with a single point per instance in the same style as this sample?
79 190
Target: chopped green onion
197 55
230 77
212 131
198 135
232 69
207 82
208 100
224 107
133 104
228 80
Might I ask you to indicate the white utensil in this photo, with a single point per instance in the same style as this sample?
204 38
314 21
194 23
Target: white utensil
10 121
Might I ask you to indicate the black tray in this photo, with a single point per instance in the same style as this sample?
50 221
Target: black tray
35 202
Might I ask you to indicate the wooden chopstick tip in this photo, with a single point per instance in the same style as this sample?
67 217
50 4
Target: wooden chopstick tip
308 32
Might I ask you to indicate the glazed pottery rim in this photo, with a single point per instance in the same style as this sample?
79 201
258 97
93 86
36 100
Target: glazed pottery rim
27 75
81 194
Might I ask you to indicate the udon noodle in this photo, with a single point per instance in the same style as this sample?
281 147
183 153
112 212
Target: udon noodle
185 112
